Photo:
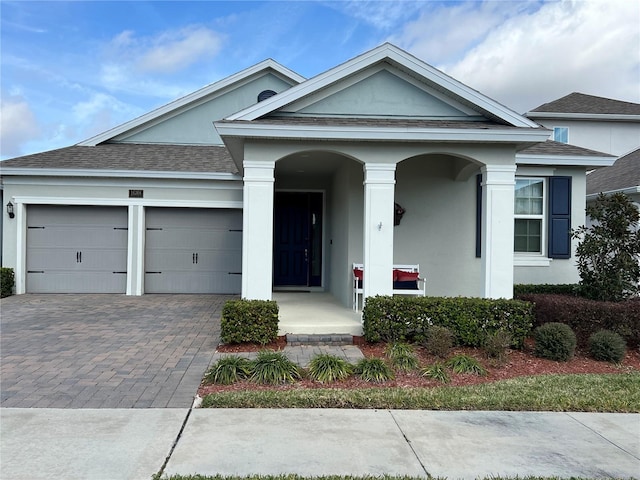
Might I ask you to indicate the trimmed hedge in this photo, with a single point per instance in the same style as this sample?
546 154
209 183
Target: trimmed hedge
586 316
7 282
559 289
400 318
252 321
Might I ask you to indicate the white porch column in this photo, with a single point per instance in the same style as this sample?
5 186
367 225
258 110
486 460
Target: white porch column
379 188
498 183
257 230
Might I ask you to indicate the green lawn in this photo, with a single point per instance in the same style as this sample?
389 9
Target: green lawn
573 393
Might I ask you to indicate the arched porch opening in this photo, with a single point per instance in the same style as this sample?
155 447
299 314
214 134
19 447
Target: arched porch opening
439 193
317 221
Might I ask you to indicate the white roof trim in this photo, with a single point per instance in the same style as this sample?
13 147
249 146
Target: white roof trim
77 172
381 53
256 130
192 97
627 190
565 160
585 116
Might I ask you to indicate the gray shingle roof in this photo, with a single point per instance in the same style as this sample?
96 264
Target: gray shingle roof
564 149
582 103
625 173
127 156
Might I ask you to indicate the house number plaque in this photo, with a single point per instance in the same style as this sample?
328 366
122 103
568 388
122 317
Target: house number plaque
136 193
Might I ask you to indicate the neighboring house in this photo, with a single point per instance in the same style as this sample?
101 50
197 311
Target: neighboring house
602 124
265 180
621 177
597 123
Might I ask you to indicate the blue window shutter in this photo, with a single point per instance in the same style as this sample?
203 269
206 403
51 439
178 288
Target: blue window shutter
559 217
478 216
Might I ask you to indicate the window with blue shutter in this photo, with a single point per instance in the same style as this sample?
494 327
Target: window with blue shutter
559 217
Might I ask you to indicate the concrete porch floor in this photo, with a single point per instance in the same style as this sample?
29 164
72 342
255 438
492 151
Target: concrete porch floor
315 313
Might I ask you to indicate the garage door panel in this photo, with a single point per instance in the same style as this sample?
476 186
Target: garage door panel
218 259
76 249
193 283
70 281
198 238
193 251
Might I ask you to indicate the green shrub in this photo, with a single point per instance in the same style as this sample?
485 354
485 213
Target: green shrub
7 282
402 357
586 316
438 341
274 368
437 371
374 370
400 318
608 252
555 341
465 364
325 368
254 321
607 346
496 345
557 289
228 370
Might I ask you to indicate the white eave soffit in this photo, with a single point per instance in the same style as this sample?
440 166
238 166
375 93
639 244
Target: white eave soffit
230 130
565 160
601 117
206 91
404 61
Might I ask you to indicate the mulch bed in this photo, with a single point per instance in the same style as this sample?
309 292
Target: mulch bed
519 363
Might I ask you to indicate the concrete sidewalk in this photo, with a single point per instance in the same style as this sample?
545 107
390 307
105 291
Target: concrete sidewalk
105 444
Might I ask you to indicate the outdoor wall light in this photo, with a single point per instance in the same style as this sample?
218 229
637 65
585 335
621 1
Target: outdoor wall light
10 210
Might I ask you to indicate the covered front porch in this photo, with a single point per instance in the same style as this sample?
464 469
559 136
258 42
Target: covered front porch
314 313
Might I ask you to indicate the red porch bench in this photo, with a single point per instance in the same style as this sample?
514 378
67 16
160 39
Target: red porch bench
406 281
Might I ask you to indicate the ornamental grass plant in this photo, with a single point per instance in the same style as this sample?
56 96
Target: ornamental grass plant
274 368
326 368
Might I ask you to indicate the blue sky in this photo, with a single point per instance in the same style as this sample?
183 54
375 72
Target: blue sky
70 70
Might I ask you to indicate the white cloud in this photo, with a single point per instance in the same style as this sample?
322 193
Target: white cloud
17 125
173 51
165 53
531 57
444 33
380 14
133 64
99 113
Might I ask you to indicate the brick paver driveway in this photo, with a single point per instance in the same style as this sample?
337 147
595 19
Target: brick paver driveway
106 351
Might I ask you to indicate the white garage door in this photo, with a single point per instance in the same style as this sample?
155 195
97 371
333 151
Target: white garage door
191 250
76 249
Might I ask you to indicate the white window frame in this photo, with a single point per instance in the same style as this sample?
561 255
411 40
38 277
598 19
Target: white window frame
534 258
558 127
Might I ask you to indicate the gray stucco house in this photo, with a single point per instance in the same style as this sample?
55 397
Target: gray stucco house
266 180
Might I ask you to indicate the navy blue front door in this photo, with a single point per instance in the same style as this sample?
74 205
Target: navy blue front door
297 239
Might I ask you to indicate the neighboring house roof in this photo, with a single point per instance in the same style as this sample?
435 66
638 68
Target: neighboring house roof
268 65
124 159
550 152
624 175
579 105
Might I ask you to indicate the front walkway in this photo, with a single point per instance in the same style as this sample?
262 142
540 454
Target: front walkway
106 351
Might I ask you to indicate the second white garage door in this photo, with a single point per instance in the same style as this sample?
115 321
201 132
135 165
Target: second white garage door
191 250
